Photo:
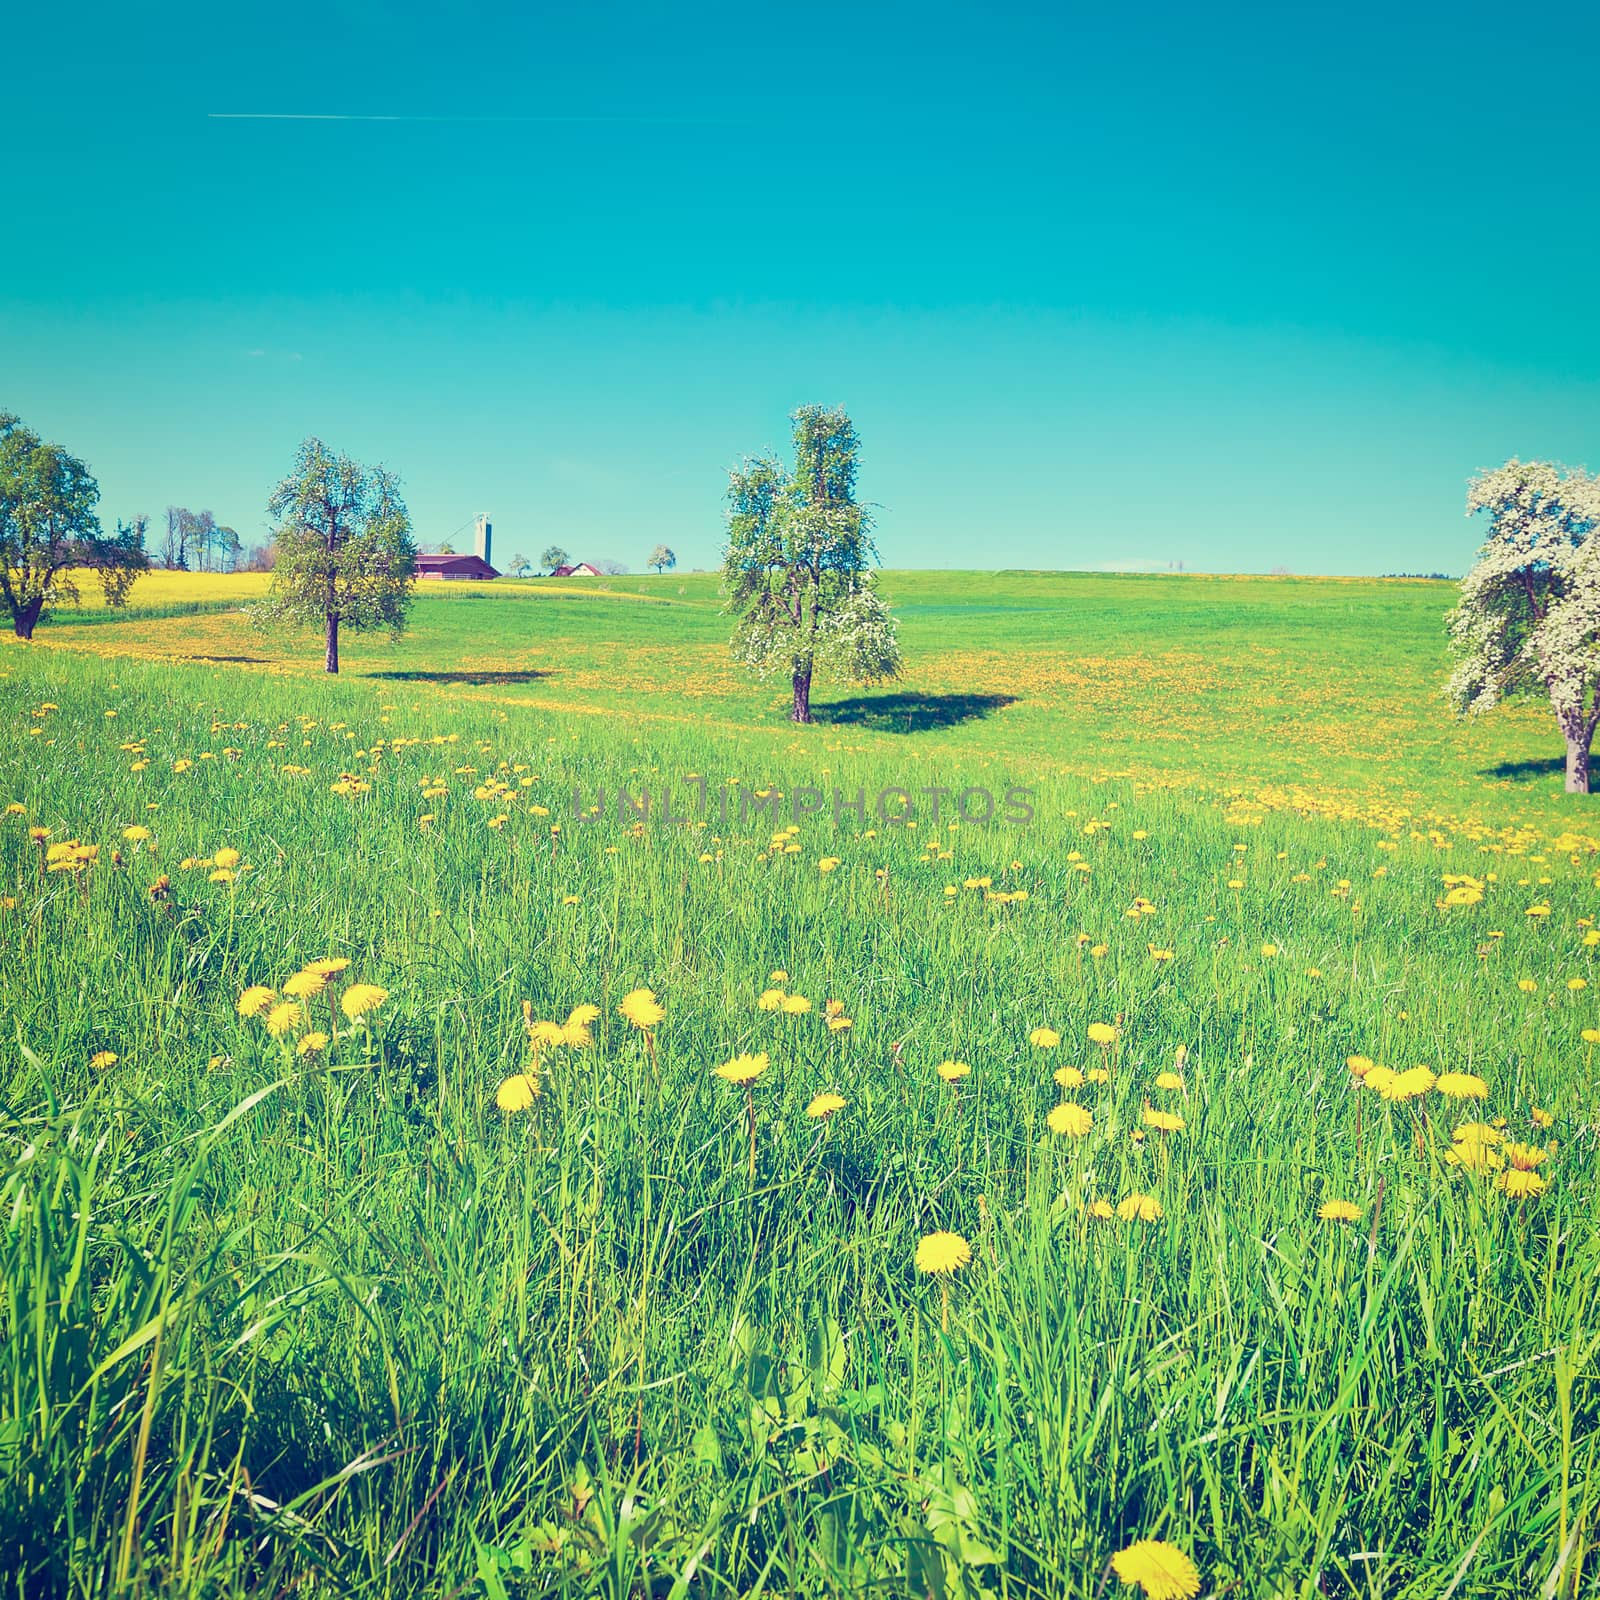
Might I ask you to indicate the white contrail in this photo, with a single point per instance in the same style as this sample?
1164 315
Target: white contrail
357 116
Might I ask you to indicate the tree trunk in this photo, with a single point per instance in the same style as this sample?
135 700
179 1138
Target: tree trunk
25 616
802 695
1578 763
333 642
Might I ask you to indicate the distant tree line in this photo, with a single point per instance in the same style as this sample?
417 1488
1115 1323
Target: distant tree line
194 541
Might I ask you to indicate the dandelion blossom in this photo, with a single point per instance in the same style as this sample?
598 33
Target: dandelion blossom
1102 1033
1071 1120
575 1030
103 1059
1462 1086
1141 1208
305 983
795 1005
940 1254
256 999
1100 1210
284 1018
824 1105
1165 1121
640 1007
328 966
1339 1211
743 1069
1162 1570
518 1093
360 1000
312 1044
1098 1075
1068 1077
1525 1157
1360 1066
770 1000
951 1071
1169 1080
1044 1038
1520 1185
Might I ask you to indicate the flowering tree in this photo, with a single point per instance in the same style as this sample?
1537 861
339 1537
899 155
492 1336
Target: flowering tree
1528 620
48 528
344 550
798 568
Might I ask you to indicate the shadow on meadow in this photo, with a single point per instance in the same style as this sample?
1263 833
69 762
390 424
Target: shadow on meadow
488 677
910 712
1526 771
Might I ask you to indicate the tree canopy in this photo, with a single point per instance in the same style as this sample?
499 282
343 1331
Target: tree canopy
1528 618
554 557
49 529
345 556
797 571
662 559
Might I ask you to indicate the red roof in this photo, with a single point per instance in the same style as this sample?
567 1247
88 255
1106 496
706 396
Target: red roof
446 566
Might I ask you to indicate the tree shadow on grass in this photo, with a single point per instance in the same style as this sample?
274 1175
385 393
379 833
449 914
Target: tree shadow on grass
489 676
252 661
910 713
1525 771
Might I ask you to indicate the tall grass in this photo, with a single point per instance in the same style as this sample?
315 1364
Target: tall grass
334 1323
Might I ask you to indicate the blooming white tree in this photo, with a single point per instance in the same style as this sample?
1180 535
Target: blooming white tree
797 571
1528 620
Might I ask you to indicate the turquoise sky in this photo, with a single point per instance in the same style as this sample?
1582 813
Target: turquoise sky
1237 286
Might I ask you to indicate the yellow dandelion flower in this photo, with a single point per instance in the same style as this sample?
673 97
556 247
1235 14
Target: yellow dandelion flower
1070 1077
1268 951
305 984
1339 1211
840 1024
1461 1086
575 1030
312 1044
950 1071
1169 1080
517 1093
743 1069
1379 1078
1520 1185
1542 1118
360 1000
256 999
1102 1033
834 1008
329 966
136 834
824 1105
779 976
795 1005
1162 1570
1525 1157
284 1018
1100 1210
103 1059
940 1254
1070 1120
1360 1065
639 1006
1590 1035
1044 1038
1527 985
1141 1208
227 857
770 1000
1098 1075
1164 1121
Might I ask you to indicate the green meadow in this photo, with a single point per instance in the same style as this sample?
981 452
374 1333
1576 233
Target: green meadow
411 1296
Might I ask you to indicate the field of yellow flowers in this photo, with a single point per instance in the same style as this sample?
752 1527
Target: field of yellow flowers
426 1173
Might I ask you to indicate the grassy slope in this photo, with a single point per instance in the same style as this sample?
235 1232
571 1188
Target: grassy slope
1330 685
497 1317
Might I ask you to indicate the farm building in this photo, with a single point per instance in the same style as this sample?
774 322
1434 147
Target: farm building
582 570
454 567
458 566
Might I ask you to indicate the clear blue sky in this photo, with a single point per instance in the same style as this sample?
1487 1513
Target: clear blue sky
1240 286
